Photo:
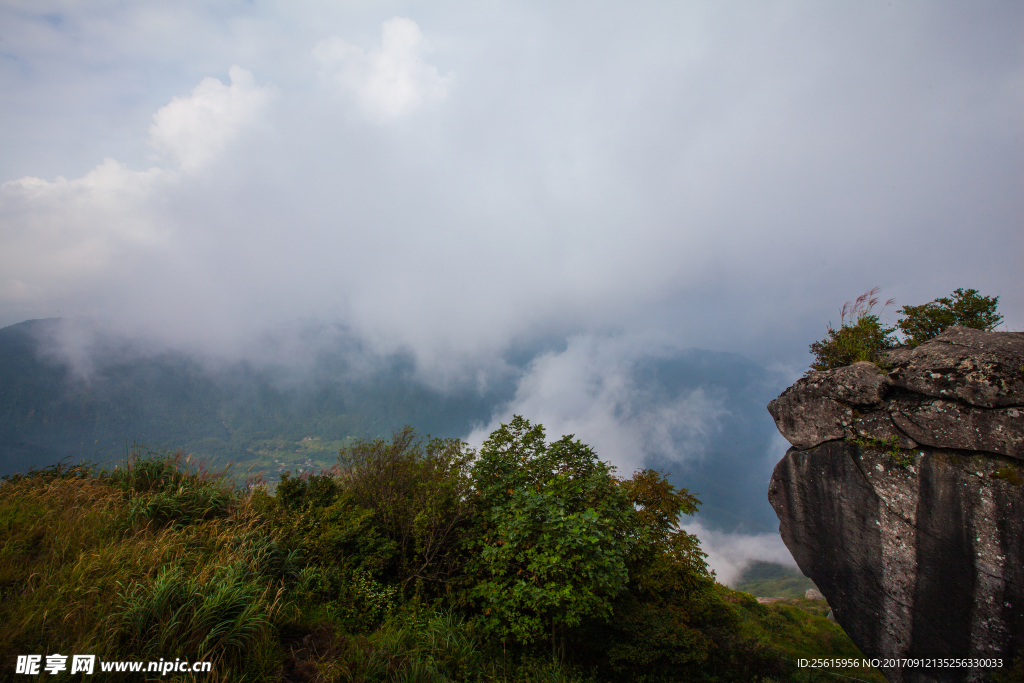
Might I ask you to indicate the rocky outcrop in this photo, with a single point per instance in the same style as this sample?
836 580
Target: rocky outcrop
903 499
964 389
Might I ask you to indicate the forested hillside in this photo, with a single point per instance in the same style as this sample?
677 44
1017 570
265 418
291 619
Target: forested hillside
225 413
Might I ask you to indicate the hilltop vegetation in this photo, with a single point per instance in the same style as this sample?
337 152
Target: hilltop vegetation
411 560
862 337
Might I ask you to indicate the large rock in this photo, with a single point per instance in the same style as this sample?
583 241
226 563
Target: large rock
964 389
980 368
924 560
903 499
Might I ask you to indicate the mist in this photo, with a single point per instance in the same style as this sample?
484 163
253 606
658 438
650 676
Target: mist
581 204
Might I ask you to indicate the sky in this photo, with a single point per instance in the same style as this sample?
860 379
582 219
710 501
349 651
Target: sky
600 183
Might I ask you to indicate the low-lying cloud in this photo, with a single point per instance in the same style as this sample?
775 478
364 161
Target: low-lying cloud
729 554
590 389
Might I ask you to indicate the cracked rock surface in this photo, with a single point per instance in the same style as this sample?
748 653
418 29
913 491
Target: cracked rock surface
903 499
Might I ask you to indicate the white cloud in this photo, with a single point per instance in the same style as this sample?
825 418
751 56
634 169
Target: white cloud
56 232
388 83
589 390
731 553
59 235
195 129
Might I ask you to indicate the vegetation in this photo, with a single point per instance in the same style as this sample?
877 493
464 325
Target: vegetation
962 307
862 337
410 560
902 459
769 580
156 559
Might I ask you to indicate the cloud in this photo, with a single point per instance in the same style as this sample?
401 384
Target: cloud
194 130
591 389
729 554
56 233
390 82
60 235
723 179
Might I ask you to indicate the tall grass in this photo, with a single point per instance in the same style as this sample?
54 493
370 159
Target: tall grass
157 558
179 615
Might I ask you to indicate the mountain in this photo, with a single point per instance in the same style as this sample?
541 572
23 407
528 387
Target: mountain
234 412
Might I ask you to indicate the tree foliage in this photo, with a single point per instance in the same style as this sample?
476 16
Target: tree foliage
860 337
963 307
554 533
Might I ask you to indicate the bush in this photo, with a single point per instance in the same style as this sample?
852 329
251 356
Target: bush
552 540
418 493
962 307
860 337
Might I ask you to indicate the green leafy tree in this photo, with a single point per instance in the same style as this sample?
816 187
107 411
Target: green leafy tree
963 307
554 536
654 629
861 335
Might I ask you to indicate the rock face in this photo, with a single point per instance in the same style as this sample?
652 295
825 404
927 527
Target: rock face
903 499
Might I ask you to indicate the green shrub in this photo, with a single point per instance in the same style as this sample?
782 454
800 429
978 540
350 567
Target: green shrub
418 492
351 598
962 307
860 337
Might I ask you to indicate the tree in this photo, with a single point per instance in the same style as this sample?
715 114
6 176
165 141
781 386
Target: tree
860 336
418 492
962 307
554 534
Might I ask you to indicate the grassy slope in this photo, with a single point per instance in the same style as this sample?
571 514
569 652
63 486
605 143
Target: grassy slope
769 580
808 632
153 562
151 566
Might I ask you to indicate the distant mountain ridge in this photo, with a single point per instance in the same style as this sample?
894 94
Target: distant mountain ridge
171 400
